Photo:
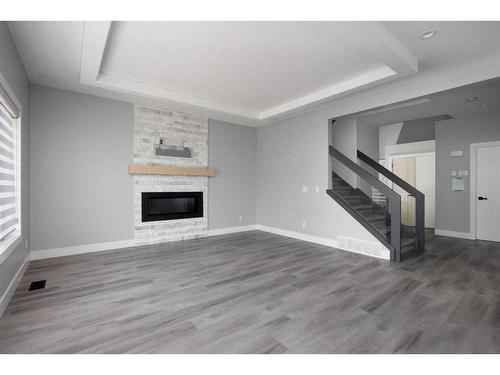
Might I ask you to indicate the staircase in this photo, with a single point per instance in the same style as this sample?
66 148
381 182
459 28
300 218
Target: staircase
374 215
379 212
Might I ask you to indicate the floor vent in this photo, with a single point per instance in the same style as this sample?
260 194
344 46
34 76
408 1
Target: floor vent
363 247
40 284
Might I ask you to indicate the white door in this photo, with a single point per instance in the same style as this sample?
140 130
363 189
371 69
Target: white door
488 193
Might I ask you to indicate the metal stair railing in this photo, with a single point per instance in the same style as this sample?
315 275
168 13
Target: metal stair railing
412 191
394 199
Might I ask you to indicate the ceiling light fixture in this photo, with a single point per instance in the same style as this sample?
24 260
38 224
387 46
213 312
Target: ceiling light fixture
428 34
471 99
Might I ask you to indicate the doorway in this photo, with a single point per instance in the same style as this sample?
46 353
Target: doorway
419 170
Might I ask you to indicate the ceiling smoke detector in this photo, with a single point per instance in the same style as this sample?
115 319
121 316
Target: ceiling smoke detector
428 34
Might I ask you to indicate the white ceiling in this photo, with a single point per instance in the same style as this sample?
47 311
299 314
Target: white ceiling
455 42
50 51
251 65
249 72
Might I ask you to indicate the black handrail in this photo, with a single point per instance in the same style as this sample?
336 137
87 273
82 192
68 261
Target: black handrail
390 175
393 197
356 168
419 196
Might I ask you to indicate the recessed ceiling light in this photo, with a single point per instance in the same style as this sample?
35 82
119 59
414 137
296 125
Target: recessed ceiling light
471 99
428 34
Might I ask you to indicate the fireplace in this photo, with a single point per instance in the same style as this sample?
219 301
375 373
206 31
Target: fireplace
171 205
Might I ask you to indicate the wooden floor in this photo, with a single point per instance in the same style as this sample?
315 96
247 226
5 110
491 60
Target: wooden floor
256 292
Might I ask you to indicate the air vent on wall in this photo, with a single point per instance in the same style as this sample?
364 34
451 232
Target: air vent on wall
363 247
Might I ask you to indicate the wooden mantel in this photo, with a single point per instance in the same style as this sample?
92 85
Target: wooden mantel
172 171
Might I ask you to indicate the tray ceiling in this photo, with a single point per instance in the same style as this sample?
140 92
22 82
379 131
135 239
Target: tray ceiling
254 71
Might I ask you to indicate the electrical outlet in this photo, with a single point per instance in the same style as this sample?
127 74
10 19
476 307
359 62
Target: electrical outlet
304 225
304 189
317 189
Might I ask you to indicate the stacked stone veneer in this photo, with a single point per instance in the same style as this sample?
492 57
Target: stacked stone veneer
176 129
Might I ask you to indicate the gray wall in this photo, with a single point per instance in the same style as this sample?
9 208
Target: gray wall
343 136
419 130
81 148
293 153
453 207
232 152
13 71
81 192
368 143
367 139
388 136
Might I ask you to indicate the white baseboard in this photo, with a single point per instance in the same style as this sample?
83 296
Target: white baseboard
9 292
299 236
81 249
241 228
451 233
104 246
320 240
114 245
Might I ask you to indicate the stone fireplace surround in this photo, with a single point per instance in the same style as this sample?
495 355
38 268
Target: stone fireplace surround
178 129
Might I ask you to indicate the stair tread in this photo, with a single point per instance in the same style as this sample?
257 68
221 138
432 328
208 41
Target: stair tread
375 217
353 196
362 206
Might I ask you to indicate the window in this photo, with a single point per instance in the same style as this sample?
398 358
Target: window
9 168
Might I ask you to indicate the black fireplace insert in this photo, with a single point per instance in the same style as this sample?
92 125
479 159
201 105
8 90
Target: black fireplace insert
172 205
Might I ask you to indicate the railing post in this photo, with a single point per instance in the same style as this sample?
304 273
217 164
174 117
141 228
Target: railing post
330 161
395 210
420 222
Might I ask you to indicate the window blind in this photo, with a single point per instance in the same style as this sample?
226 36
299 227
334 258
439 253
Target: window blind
6 104
9 218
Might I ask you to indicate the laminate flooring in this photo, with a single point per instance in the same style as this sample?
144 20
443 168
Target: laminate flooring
256 292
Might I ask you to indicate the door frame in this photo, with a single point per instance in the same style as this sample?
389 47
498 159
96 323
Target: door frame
412 155
473 184
391 157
